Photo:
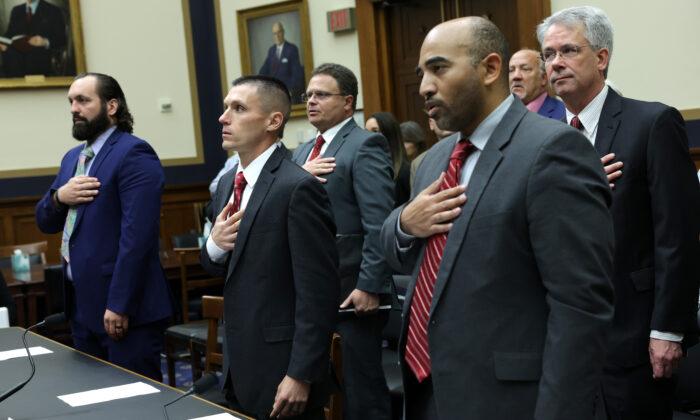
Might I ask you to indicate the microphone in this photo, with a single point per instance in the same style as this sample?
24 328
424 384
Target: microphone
202 385
51 321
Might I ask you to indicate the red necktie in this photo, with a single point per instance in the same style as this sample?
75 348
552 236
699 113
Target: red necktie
576 123
239 185
417 352
317 147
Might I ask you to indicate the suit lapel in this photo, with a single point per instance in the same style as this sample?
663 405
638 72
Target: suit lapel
260 190
104 151
303 152
339 139
486 165
608 123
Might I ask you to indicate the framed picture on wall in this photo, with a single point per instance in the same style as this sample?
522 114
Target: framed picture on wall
41 43
275 40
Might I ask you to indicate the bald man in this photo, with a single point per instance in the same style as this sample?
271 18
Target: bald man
528 81
511 240
283 63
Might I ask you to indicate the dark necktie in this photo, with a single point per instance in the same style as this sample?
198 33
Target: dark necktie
576 123
417 349
316 151
239 185
29 14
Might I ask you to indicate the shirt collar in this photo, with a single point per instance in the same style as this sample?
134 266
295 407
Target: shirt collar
101 139
483 132
590 115
252 171
329 134
535 104
33 5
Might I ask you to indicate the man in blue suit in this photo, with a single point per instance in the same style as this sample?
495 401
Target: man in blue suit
528 81
283 63
106 200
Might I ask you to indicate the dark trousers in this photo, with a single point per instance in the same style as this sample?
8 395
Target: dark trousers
632 394
365 394
138 351
419 400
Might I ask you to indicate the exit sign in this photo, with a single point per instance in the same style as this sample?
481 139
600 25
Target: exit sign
341 20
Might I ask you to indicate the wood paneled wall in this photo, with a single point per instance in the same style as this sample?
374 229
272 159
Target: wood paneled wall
179 214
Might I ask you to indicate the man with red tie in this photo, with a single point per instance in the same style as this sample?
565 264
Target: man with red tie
655 210
273 241
509 240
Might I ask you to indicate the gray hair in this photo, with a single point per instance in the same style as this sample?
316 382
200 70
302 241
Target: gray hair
597 28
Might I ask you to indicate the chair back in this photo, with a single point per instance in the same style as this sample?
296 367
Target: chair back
35 250
334 409
213 312
192 276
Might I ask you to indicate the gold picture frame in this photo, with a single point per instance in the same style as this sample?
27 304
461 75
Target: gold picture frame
66 57
258 36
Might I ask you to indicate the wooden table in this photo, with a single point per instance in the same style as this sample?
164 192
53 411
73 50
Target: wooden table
26 288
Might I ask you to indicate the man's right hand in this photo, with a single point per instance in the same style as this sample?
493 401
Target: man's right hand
78 190
433 210
320 166
225 229
3 47
613 170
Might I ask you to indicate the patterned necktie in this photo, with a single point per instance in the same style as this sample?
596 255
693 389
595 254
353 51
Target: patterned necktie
239 185
317 148
417 352
85 155
576 123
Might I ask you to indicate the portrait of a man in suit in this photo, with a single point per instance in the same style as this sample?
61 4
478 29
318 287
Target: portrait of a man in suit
282 62
34 38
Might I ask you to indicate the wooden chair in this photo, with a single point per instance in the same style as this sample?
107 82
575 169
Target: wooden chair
192 277
35 250
334 409
213 312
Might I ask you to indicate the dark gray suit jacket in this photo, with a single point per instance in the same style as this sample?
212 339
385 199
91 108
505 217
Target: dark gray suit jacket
361 190
281 291
523 295
656 212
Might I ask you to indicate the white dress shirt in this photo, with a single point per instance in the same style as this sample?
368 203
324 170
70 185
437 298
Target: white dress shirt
328 136
251 174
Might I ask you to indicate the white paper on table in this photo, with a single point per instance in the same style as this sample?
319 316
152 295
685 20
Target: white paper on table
13 354
220 416
108 394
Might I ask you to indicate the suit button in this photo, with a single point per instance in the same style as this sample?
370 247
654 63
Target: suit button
433 322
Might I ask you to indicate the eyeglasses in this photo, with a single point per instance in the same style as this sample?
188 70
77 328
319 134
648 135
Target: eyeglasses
319 94
566 52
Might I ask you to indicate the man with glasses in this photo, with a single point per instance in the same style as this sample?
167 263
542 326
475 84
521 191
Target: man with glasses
655 208
355 167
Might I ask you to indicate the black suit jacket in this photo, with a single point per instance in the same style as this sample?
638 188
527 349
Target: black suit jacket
656 213
523 297
361 190
281 291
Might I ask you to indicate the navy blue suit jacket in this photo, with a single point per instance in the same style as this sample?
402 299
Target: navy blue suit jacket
114 245
552 108
287 68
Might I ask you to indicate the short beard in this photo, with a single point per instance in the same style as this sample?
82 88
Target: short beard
90 129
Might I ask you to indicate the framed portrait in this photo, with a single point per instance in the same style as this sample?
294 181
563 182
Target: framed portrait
41 43
275 40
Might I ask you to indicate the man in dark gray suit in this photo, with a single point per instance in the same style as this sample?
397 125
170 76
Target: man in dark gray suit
355 168
511 240
655 209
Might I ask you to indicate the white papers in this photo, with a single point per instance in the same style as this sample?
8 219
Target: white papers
222 416
13 354
108 394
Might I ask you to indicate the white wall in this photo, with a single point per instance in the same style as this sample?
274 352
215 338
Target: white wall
655 50
146 52
340 48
